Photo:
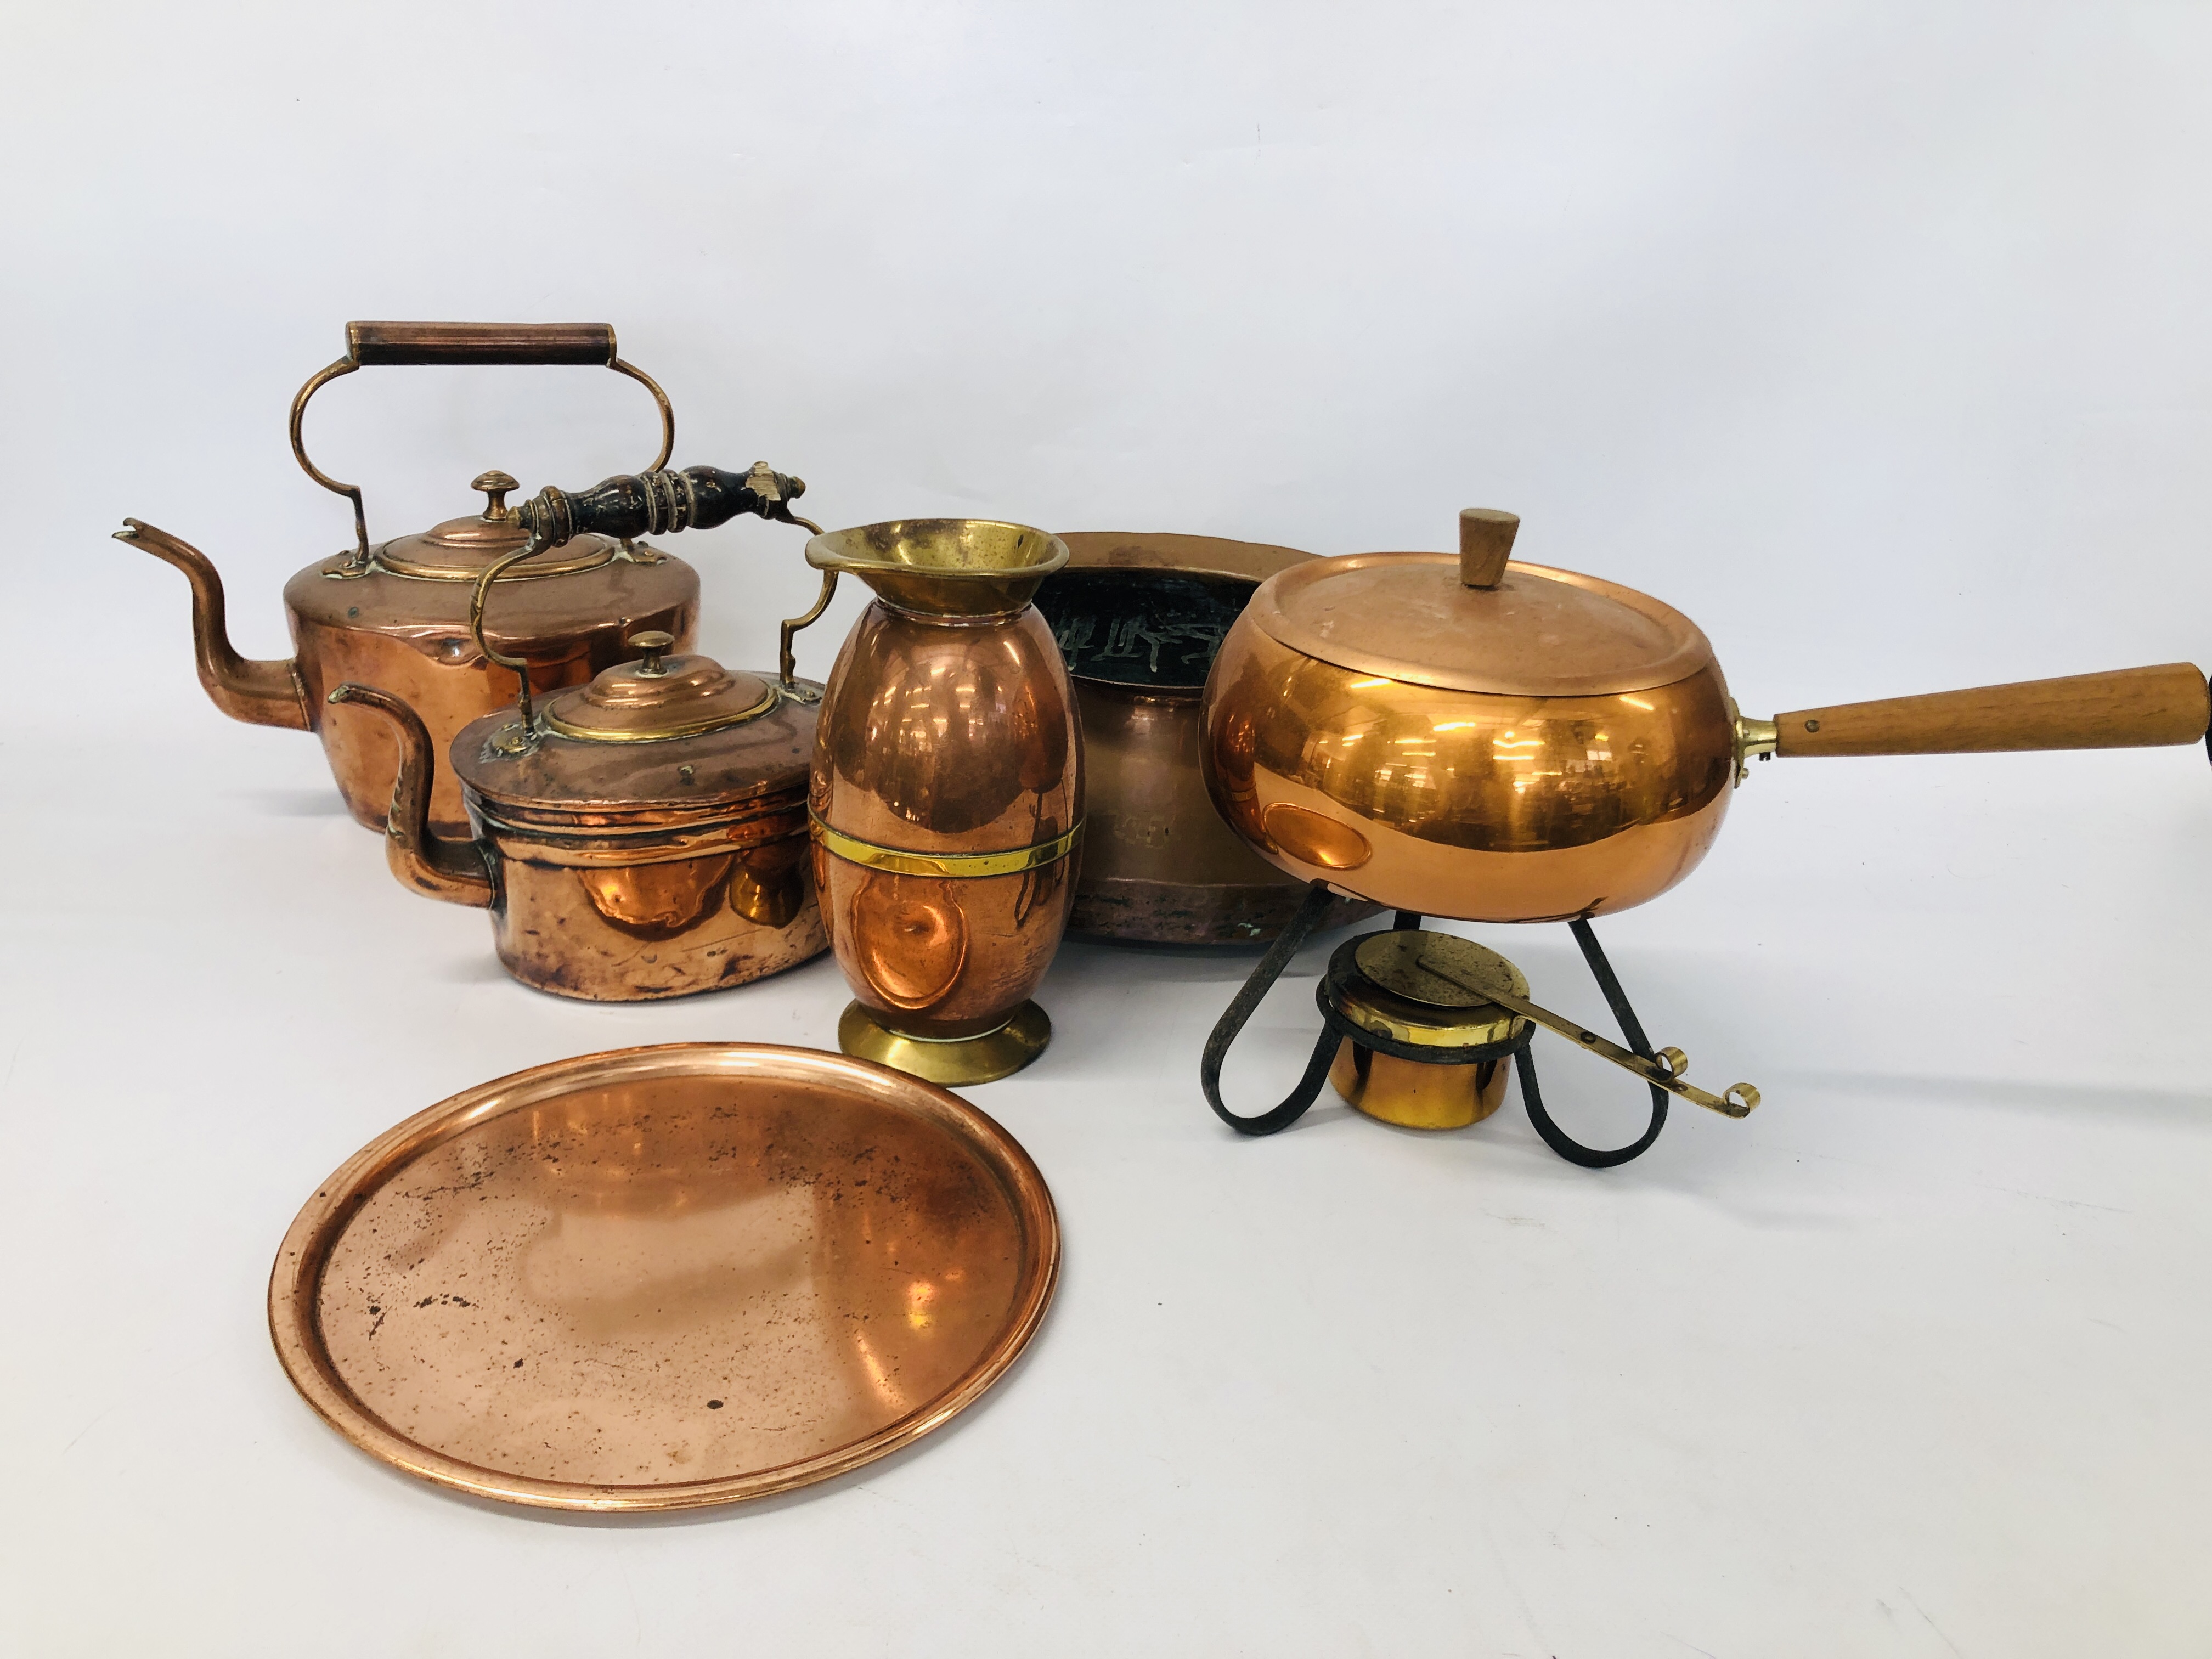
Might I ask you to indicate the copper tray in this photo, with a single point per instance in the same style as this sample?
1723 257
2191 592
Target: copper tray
659 1278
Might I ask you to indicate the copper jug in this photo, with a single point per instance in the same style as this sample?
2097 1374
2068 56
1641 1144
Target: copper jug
395 613
947 796
641 838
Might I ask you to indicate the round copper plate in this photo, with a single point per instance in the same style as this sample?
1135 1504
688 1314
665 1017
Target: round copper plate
659 1278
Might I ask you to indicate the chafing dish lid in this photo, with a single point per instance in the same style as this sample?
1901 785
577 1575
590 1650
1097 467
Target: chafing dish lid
1540 632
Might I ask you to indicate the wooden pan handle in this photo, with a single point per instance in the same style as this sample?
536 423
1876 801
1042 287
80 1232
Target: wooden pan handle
2128 708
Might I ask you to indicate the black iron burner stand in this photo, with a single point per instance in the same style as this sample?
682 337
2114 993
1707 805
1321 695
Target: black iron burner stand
1337 1028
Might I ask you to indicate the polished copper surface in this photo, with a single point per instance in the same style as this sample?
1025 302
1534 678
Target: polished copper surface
659 696
946 734
389 615
1139 617
663 1278
457 550
1540 632
1450 802
621 872
1554 746
409 635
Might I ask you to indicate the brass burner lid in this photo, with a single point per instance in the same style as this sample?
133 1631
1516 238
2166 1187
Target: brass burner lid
1538 632
460 549
659 697
1393 994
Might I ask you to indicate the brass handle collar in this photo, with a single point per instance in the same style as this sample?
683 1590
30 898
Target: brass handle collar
1752 737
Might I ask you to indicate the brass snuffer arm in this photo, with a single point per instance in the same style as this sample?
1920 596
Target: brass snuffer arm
662 502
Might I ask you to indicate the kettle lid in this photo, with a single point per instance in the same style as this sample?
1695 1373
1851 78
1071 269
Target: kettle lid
658 697
655 742
1535 631
460 549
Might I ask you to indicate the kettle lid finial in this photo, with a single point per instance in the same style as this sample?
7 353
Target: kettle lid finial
495 484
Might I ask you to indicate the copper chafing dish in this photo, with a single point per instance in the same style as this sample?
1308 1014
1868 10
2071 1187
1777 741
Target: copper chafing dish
1138 618
639 837
1497 741
395 613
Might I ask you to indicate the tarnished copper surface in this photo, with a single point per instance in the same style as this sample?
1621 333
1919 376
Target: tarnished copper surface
1160 866
663 1278
622 872
1464 804
947 730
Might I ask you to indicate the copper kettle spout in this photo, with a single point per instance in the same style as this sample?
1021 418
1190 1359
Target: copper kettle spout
434 865
258 693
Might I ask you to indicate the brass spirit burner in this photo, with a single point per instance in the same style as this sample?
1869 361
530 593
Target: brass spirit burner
1495 741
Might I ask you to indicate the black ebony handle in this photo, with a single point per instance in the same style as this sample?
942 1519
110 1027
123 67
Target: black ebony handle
661 503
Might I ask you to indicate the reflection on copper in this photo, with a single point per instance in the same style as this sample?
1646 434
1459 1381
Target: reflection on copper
657 900
769 886
909 937
1472 805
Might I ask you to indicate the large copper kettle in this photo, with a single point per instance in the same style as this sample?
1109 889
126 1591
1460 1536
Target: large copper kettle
394 615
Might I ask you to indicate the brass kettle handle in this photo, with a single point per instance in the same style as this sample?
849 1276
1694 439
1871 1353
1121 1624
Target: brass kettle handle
374 344
533 542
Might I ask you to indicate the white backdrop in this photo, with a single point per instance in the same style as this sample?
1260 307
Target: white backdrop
1872 336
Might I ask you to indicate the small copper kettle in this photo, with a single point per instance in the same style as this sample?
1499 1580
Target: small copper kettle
395 613
639 837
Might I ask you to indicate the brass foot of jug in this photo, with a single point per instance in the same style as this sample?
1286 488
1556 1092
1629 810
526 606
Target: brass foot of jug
951 1062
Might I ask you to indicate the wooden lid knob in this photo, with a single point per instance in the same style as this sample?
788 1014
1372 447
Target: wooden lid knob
1485 542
